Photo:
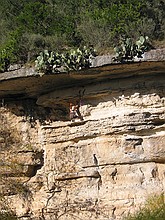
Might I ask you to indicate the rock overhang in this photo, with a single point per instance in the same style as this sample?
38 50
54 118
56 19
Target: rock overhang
29 84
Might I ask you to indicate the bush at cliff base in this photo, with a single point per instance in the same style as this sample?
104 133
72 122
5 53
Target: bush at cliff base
5 211
154 209
7 216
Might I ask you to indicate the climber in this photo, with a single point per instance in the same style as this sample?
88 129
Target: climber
75 111
72 112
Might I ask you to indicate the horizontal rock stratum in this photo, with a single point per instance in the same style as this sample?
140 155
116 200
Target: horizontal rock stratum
103 167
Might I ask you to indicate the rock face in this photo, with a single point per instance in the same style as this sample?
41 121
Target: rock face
103 167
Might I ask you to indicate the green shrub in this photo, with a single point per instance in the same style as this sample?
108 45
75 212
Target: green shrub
9 51
154 209
7 216
95 32
5 212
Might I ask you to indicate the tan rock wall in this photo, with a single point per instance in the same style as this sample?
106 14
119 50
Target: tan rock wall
110 163
103 167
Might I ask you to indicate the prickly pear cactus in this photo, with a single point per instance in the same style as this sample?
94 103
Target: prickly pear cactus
142 45
53 62
128 50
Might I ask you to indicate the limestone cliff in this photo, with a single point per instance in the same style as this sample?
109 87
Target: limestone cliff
100 168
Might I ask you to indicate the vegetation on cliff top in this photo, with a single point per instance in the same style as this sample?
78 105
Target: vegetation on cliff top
53 62
32 26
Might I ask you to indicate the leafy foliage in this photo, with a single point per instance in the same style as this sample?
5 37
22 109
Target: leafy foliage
35 17
53 62
9 51
69 24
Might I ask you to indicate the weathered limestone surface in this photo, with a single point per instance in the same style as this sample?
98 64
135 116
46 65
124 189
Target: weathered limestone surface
111 162
103 167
